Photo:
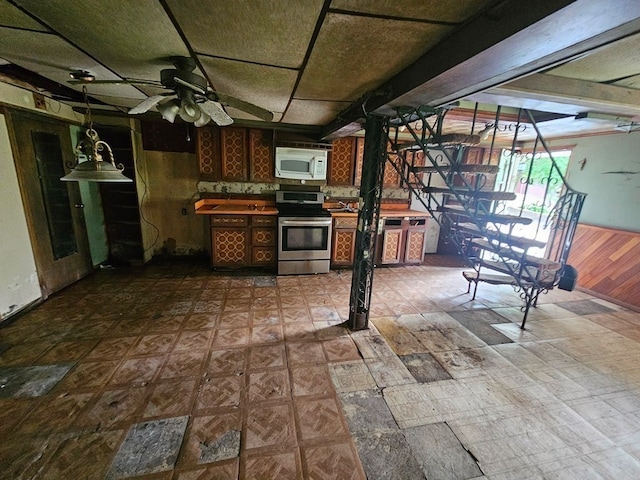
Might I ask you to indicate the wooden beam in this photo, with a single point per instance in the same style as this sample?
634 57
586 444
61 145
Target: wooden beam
511 40
580 95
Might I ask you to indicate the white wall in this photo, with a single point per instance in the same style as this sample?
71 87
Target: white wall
19 284
607 169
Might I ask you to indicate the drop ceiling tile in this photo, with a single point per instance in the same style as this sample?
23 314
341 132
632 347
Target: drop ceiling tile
10 16
53 58
614 61
134 39
337 69
631 82
268 32
436 10
313 112
267 87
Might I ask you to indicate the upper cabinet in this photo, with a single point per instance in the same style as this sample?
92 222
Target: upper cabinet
238 154
233 141
261 165
235 154
342 162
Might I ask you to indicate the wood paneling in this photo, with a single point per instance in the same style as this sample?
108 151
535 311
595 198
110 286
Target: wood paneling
608 262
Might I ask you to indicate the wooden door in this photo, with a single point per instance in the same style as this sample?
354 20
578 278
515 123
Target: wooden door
53 208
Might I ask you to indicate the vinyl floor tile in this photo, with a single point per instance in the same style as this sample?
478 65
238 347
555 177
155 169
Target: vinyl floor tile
272 385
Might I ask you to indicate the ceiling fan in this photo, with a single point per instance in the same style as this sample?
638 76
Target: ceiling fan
189 97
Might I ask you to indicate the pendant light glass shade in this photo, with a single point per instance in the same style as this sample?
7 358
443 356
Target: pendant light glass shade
189 110
94 168
169 109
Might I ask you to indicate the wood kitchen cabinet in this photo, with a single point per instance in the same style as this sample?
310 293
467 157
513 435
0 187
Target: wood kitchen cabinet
235 154
391 178
230 240
342 162
402 240
343 241
263 240
243 241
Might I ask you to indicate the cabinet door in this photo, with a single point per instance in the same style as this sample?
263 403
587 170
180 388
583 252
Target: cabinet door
234 154
391 251
391 178
343 243
414 247
342 162
359 160
208 150
230 240
261 162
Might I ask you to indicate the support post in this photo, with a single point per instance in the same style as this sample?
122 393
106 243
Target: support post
375 148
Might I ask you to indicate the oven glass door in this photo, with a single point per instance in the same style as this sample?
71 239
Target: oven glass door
304 238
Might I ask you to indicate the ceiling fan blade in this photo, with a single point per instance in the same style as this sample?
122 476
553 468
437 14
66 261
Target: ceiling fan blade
131 81
146 104
216 112
233 102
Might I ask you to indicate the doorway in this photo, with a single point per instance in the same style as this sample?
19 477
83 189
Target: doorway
53 208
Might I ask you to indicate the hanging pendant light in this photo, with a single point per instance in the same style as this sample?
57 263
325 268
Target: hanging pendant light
89 165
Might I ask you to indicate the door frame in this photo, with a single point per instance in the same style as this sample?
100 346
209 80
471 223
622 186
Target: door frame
53 275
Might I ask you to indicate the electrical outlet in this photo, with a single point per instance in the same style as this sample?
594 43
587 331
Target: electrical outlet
184 211
39 101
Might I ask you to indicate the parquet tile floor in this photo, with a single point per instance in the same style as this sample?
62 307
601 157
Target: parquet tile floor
263 381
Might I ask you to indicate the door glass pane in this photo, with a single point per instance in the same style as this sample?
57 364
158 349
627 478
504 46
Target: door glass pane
55 193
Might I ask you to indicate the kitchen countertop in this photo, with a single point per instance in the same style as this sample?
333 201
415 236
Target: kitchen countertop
384 213
210 206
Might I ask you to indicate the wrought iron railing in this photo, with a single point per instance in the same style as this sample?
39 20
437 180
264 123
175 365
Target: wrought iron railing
526 205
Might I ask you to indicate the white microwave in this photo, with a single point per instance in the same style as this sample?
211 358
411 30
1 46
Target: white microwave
301 163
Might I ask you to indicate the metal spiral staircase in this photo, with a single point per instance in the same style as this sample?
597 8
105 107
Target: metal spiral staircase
485 221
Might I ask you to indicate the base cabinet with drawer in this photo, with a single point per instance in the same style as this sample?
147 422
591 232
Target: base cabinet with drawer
243 240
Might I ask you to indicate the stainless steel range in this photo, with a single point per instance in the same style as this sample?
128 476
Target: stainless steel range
304 233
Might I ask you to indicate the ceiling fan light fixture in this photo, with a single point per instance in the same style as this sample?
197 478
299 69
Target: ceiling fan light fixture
169 109
189 109
202 121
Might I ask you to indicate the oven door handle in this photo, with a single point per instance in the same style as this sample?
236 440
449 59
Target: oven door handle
306 223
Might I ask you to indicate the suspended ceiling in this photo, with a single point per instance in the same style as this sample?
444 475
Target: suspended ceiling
326 63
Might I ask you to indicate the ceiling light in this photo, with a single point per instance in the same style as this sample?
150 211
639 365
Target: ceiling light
82 75
486 131
189 110
89 165
202 121
169 109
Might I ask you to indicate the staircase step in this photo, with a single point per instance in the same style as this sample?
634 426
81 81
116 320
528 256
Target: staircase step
464 168
493 279
492 217
482 194
538 262
523 243
529 274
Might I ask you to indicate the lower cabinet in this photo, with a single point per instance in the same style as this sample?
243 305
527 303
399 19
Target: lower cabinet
263 240
343 242
402 240
243 240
